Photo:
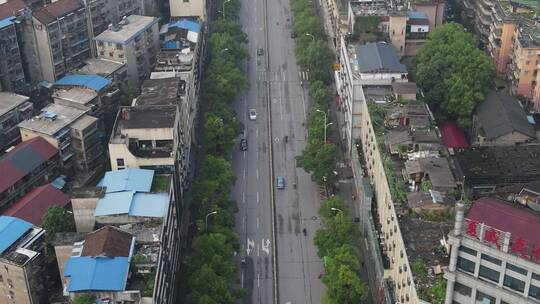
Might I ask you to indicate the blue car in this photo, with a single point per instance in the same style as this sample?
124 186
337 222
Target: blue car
280 182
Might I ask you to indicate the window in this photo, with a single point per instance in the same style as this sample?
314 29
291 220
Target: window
100 43
186 1
111 54
516 268
491 259
120 162
462 289
488 273
484 298
101 53
468 250
536 276
514 283
119 46
534 291
465 265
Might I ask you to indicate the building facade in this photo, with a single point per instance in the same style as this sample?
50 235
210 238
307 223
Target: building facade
133 41
14 108
188 8
62 38
495 254
12 76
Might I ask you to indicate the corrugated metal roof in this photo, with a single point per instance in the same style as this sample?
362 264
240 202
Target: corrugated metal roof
94 82
92 274
128 180
34 205
114 203
417 15
7 21
11 229
378 57
149 204
187 24
452 136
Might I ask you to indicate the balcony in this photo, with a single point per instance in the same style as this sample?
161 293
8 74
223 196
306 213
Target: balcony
139 150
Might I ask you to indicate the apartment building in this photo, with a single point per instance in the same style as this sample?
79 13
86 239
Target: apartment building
188 8
12 76
133 41
30 164
14 108
115 71
62 38
495 254
73 133
22 262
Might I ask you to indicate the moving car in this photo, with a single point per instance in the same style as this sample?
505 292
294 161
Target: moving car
260 52
252 114
243 144
280 182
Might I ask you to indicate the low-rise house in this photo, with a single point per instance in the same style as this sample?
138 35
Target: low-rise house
501 121
22 262
73 133
434 170
30 164
14 108
378 64
115 71
412 116
33 206
403 142
404 90
452 137
431 200
495 254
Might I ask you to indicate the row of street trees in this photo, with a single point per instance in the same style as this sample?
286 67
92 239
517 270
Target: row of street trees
454 74
320 157
211 271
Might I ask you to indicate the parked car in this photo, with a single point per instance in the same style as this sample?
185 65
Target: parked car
252 114
243 144
280 182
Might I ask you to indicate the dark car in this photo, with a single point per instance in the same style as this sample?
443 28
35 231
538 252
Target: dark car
293 35
280 182
260 52
243 144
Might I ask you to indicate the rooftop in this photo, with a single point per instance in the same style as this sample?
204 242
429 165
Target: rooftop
404 88
145 117
436 169
77 95
108 242
127 180
93 82
175 60
501 114
11 230
179 35
165 91
378 57
83 122
52 119
452 136
9 101
11 8
125 33
50 12
33 206
133 204
96 274
23 159
101 67
68 238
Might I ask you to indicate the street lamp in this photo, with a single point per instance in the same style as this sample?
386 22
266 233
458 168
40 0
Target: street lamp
325 124
211 213
225 50
336 209
310 35
224 7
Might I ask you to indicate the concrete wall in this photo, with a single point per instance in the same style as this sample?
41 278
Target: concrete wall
434 11
509 139
397 30
14 288
44 51
187 8
117 151
29 134
62 255
149 134
83 212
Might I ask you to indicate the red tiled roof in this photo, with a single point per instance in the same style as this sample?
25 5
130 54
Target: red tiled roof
520 221
11 8
60 8
23 159
453 136
34 204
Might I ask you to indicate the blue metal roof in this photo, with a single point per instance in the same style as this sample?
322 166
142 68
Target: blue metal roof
94 82
114 203
100 273
149 204
7 21
128 180
11 229
189 25
417 15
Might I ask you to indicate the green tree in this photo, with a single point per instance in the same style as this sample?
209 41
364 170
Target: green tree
320 95
218 136
339 230
57 219
335 202
317 58
230 27
84 299
454 74
320 161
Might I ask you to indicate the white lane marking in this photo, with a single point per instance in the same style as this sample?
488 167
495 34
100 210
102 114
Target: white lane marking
244 173
257 222
276 139
242 280
280 100
257 173
266 246
243 197
244 223
258 251
257 133
250 245
258 281
257 197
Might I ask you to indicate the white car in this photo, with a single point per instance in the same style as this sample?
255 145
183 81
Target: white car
252 114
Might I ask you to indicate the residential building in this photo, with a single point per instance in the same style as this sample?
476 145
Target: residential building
13 109
33 206
486 169
378 64
188 8
73 133
30 164
12 76
495 255
501 121
115 71
22 262
434 9
133 41
436 170
62 38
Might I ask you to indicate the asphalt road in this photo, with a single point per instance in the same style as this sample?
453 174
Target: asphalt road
298 267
